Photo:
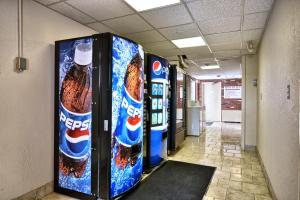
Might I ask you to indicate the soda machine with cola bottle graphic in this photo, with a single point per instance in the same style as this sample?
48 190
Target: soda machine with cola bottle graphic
75 97
98 116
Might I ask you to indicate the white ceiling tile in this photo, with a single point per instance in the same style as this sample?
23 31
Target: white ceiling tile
100 27
47 2
201 61
160 45
102 9
222 47
228 54
128 24
172 58
252 34
221 25
72 13
167 16
254 21
179 32
146 37
211 9
224 38
254 6
167 52
197 50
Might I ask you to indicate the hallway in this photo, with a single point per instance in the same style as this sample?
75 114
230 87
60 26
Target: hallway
239 174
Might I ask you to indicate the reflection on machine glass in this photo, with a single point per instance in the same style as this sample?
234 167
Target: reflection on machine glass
160 104
159 118
154 118
154 89
154 104
160 89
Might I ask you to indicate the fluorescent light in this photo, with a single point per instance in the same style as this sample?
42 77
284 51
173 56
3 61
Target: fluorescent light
210 67
141 5
189 42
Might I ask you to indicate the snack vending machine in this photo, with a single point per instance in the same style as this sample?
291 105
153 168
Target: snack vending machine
98 116
158 109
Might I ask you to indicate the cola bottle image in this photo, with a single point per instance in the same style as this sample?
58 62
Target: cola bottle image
75 113
129 130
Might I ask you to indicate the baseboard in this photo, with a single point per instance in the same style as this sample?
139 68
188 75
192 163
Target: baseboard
38 193
266 176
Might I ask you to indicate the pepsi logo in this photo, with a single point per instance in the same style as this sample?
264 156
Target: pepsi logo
156 66
77 140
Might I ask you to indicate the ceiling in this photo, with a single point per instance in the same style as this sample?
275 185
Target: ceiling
230 68
226 25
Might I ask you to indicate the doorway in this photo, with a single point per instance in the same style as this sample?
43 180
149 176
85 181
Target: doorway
212 99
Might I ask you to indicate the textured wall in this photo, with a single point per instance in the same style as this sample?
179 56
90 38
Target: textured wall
278 118
26 109
249 116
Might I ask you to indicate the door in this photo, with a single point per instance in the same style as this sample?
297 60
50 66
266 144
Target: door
212 99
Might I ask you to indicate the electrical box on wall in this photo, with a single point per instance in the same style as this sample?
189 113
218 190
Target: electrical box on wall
21 64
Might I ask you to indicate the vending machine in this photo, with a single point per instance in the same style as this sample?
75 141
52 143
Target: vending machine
158 108
98 116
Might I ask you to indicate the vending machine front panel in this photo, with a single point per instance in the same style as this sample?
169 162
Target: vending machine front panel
73 170
127 115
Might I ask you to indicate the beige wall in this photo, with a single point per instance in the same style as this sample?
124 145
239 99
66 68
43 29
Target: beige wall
278 119
26 109
249 103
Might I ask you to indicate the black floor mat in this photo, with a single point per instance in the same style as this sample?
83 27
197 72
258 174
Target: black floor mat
174 181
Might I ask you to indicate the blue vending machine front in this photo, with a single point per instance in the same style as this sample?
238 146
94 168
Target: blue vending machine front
158 69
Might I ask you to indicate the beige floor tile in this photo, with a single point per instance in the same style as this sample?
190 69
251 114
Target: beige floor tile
216 192
235 185
55 196
237 195
239 174
241 177
255 189
263 197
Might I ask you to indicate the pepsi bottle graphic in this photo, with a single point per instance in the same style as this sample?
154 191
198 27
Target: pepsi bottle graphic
128 133
75 114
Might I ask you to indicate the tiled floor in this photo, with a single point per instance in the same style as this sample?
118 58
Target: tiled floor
238 176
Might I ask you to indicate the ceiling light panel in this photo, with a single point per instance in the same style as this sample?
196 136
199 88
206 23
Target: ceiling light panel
189 42
210 67
142 5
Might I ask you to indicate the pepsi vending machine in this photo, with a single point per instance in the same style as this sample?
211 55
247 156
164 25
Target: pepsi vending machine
158 91
98 116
